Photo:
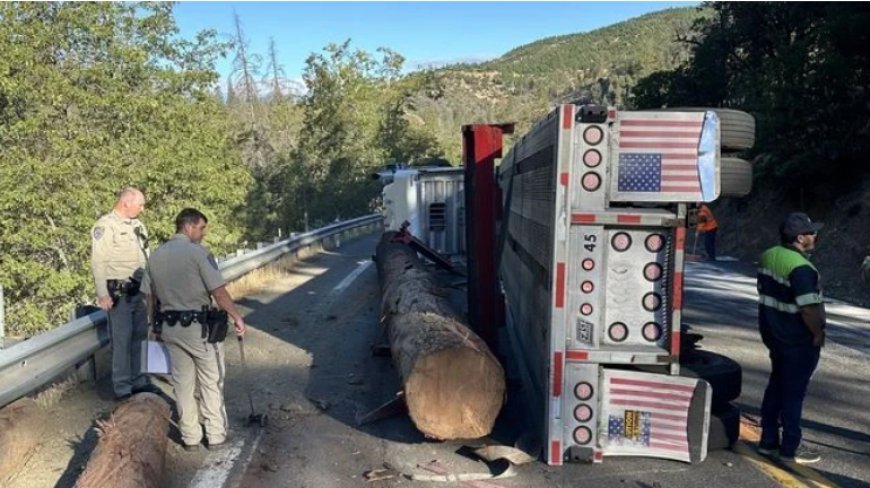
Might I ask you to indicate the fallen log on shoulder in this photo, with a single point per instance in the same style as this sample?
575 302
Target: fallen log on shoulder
131 449
454 386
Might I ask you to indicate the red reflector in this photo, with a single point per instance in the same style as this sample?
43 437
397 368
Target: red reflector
557 374
593 135
618 332
591 181
583 218
582 413
583 391
628 219
592 158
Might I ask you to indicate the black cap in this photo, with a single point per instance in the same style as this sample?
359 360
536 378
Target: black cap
797 223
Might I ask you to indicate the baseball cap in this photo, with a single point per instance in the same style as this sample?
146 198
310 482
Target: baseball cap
797 223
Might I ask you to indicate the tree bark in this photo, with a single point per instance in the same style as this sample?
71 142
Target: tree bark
132 445
454 386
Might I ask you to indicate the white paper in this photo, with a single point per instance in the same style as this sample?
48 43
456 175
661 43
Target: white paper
155 358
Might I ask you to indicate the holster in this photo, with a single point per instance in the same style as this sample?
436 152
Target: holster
217 322
119 288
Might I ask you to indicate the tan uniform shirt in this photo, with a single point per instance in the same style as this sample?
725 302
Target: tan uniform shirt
116 250
182 274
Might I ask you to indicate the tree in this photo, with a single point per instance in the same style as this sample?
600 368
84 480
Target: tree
101 96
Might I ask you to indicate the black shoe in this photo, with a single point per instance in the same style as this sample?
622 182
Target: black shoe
191 447
149 388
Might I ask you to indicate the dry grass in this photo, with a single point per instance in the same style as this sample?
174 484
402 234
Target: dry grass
261 278
52 395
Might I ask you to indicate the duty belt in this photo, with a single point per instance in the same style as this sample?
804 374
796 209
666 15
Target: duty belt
213 322
183 317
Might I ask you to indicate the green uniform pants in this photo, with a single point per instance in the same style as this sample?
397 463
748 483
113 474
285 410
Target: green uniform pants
128 327
196 363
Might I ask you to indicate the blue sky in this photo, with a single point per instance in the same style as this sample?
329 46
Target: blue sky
423 32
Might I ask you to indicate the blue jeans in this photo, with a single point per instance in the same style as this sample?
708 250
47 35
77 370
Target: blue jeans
791 369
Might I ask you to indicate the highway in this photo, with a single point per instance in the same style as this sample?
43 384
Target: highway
312 371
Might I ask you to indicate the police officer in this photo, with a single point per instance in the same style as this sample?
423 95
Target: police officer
118 246
183 277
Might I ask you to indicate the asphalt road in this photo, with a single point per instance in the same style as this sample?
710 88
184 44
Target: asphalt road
310 368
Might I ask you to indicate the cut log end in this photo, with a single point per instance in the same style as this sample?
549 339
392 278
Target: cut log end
132 446
455 393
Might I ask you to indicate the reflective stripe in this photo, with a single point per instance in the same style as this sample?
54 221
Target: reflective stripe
808 299
778 305
774 276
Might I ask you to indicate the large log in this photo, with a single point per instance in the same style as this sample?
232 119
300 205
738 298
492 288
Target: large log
454 386
132 446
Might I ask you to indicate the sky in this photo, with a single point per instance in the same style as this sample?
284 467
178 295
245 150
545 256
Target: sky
425 33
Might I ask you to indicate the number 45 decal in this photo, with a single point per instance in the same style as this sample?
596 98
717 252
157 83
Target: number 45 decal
590 240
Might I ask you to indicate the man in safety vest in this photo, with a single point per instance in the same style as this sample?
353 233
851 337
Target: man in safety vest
707 227
791 319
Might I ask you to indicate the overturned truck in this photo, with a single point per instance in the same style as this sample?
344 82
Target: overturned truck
596 204
593 206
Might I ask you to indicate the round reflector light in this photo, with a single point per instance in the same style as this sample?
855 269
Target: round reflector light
582 435
621 241
654 243
651 331
582 412
593 135
588 264
591 181
586 309
592 158
618 332
652 271
583 391
587 287
652 301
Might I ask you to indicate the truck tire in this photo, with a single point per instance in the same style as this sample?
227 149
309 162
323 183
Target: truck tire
723 374
736 128
736 177
724 427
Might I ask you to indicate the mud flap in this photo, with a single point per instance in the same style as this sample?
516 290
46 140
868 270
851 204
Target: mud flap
654 415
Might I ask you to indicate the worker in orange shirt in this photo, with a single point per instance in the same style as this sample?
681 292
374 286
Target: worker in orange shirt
707 227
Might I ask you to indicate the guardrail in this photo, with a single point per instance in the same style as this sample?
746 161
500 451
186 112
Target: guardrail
29 365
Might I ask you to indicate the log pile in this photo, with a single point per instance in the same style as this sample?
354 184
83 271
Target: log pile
132 445
453 385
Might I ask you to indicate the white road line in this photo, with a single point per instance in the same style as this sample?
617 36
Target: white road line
244 467
216 467
361 266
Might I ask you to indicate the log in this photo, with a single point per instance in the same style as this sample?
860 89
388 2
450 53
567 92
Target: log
454 386
131 448
21 433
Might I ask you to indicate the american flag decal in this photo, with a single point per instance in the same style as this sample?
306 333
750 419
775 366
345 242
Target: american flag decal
647 414
659 153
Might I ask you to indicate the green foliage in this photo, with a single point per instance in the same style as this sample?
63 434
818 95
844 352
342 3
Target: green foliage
522 85
801 68
94 97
